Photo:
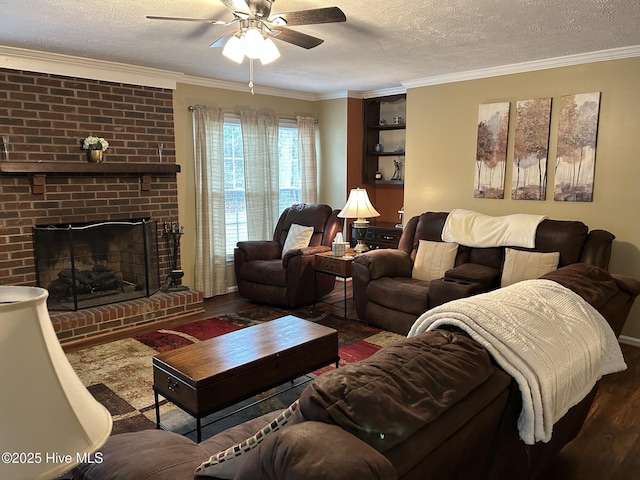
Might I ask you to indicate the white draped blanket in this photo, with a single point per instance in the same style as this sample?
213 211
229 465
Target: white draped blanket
477 230
544 335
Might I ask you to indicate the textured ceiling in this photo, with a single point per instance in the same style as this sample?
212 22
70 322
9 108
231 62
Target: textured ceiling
382 45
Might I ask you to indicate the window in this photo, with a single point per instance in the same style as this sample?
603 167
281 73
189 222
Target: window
235 209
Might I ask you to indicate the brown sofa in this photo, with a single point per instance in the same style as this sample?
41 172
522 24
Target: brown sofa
263 275
446 410
386 295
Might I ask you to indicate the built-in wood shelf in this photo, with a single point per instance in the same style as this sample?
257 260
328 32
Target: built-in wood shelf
39 170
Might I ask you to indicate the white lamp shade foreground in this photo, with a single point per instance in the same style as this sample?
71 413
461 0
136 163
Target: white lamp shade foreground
359 207
50 421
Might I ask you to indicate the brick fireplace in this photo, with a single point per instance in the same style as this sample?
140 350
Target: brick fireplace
47 179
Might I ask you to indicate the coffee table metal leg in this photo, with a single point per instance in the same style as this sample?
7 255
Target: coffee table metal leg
198 430
155 395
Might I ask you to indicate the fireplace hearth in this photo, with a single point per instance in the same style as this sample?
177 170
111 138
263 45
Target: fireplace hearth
85 265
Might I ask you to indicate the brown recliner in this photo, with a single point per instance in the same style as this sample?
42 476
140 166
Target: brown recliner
263 275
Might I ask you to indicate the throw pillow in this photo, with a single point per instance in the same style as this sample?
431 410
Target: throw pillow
433 259
522 265
225 464
298 237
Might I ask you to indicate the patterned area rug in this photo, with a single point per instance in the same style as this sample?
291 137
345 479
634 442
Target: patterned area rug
119 374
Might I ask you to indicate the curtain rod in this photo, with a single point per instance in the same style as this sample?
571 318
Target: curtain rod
191 108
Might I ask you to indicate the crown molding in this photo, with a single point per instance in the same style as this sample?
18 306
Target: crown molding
384 92
70 66
557 62
243 87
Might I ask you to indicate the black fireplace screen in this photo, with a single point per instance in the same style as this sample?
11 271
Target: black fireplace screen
84 265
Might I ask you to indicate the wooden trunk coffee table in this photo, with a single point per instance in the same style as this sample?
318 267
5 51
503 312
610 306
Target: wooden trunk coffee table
216 373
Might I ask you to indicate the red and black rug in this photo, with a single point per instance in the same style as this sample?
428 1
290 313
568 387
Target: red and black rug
119 374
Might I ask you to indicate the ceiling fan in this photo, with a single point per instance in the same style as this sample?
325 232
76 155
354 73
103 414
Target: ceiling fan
257 26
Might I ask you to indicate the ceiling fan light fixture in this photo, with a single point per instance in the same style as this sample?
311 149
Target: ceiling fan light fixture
234 49
269 51
253 43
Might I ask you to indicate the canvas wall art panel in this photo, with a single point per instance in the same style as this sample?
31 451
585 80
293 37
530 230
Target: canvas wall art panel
491 150
576 154
530 150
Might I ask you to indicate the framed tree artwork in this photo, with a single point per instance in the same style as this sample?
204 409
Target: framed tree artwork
491 150
531 147
575 158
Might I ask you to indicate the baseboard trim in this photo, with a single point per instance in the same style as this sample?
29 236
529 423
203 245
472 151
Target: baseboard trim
629 340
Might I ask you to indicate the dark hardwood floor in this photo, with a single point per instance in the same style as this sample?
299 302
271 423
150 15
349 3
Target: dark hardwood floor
608 446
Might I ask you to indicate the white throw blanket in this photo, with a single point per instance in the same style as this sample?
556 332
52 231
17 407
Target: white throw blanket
544 335
477 230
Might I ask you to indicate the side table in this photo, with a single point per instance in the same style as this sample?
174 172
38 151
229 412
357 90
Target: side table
326 262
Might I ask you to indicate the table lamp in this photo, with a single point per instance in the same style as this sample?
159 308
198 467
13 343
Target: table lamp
359 207
50 421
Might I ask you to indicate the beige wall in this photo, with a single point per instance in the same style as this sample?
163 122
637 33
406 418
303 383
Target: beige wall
186 95
332 125
441 136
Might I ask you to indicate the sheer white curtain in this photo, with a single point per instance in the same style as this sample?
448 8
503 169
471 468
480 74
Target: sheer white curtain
210 255
307 159
261 172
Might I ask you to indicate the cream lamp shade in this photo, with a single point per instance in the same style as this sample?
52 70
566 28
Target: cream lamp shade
359 207
50 421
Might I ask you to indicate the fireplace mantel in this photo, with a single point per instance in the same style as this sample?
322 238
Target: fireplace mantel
39 170
85 168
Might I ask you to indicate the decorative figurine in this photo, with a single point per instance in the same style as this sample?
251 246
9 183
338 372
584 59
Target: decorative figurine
396 172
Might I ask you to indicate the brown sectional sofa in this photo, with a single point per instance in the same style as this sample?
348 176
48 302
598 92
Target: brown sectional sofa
386 295
447 410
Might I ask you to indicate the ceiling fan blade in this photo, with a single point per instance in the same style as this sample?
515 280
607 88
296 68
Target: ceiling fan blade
312 16
222 40
296 38
236 5
184 19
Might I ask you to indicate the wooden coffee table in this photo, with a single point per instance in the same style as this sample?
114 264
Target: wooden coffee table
216 373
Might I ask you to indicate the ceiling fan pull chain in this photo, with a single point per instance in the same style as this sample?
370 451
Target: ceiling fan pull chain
251 75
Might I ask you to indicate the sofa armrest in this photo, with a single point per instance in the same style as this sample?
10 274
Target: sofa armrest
386 262
259 250
303 252
597 248
373 265
486 277
627 284
443 290
315 451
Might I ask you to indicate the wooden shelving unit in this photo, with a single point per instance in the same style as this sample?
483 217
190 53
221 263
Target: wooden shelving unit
389 134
